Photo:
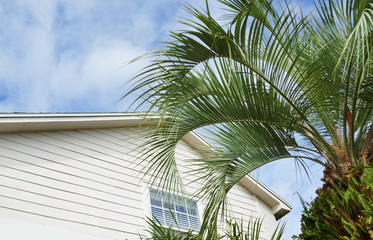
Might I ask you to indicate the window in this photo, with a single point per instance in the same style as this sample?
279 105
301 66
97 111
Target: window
167 209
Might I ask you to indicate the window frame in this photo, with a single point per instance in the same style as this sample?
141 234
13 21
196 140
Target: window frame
176 228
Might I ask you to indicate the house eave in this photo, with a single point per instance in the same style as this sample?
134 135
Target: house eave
278 206
31 122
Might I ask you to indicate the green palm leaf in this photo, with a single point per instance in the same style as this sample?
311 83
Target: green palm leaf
272 84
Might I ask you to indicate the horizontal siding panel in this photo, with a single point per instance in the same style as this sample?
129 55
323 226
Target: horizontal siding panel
59 184
41 172
78 161
95 144
183 150
242 199
127 139
124 203
129 215
54 212
244 203
90 180
183 155
240 191
26 169
72 151
187 154
243 211
62 171
124 138
65 194
124 232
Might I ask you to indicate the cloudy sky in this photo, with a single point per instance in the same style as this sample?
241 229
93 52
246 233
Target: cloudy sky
72 55
68 56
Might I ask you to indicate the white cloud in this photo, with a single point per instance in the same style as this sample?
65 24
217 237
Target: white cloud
63 56
101 73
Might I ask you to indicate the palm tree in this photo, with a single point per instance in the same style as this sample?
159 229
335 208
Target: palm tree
270 84
236 231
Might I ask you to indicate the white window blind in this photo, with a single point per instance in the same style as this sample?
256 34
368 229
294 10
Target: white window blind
174 211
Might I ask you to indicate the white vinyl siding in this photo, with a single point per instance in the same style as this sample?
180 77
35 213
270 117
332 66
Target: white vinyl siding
87 181
72 180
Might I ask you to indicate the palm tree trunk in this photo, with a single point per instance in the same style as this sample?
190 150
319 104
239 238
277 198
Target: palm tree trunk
345 202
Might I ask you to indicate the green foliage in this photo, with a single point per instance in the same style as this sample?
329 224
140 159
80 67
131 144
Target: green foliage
235 231
312 227
343 214
158 232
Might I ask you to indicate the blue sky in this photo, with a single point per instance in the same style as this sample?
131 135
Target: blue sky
70 56
67 55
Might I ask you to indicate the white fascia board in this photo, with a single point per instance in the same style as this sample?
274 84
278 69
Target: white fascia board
29 122
279 206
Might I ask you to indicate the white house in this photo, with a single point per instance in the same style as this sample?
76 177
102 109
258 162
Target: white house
74 176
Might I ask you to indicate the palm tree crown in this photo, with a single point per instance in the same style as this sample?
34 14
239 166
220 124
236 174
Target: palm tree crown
271 84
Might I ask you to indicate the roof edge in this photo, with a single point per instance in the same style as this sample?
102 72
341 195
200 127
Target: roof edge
278 205
30 122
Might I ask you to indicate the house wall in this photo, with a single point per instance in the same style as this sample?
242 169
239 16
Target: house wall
87 182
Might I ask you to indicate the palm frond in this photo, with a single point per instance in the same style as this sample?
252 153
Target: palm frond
254 85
